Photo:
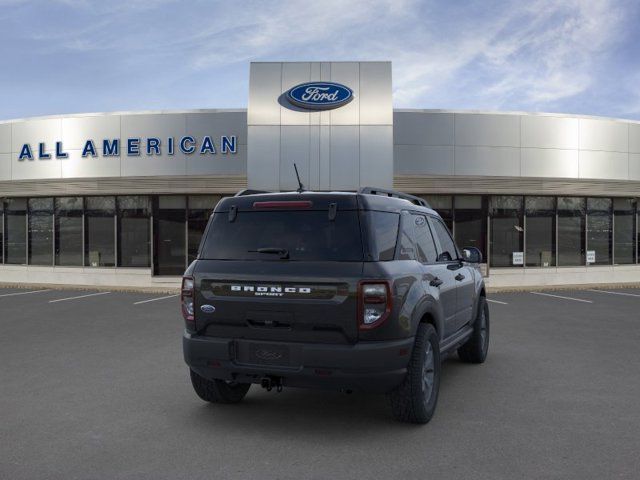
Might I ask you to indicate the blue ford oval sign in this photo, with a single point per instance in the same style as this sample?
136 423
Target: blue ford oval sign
320 95
208 308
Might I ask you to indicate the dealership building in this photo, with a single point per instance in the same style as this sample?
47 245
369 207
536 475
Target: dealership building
123 198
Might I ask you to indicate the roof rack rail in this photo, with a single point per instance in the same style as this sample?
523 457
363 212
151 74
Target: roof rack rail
393 193
249 191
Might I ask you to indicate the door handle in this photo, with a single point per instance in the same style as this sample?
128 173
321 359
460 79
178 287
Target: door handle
436 282
459 277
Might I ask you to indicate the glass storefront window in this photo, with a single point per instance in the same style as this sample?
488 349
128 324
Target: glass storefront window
41 231
68 233
443 204
624 230
540 231
170 235
1 230
134 238
15 231
200 208
506 230
470 222
599 229
100 231
571 231
562 231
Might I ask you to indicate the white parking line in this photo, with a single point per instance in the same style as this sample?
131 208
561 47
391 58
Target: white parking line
79 296
560 296
23 293
616 293
497 301
155 299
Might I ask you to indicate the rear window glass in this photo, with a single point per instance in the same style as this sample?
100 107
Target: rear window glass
305 235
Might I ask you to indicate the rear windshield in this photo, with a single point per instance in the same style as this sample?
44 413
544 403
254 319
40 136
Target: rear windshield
304 235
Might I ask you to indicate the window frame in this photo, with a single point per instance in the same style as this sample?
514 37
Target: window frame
436 238
412 215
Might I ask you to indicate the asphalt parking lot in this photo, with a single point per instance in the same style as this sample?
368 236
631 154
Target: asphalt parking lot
95 387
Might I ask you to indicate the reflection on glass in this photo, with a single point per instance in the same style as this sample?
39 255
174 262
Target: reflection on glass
134 243
100 231
571 225
15 230
506 229
624 230
200 208
170 235
470 222
68 233
540 231
41 231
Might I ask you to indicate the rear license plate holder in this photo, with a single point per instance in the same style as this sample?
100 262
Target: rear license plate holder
263 353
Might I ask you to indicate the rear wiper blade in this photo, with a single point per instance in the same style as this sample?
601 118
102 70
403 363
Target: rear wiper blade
283 252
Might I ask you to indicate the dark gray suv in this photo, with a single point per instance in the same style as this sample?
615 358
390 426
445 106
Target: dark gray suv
361 291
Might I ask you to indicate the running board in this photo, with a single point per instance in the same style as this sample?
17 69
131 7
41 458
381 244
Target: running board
456 340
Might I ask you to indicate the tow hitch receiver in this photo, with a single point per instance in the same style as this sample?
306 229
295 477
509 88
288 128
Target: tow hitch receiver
271 382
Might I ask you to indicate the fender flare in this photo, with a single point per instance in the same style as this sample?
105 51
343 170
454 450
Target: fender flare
480 292
430 308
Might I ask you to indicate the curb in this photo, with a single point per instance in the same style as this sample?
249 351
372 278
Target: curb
575 286
99 288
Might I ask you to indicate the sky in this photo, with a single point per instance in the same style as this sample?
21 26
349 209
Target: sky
71 56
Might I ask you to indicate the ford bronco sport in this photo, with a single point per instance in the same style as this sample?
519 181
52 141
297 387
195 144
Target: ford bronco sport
361 291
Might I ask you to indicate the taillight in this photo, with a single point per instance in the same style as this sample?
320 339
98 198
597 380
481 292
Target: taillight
374 301
186 298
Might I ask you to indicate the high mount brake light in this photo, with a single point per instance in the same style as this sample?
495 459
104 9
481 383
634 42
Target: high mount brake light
186 301
284 204
374 303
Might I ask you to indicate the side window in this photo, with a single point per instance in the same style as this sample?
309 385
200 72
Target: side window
407 249
424 241
385 233
447 251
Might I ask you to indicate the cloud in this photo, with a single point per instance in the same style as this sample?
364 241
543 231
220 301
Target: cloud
331 29
536 55
480 54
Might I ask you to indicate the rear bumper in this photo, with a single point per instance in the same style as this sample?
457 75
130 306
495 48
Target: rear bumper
365 366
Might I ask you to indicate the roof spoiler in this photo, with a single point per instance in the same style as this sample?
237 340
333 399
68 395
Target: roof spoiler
393 193
249 191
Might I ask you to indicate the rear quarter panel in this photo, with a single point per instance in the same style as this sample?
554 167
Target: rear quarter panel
410 299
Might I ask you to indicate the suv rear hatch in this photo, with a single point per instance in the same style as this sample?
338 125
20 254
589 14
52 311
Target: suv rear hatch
281 268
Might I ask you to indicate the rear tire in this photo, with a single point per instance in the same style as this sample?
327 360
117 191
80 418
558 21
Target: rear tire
415 400
218 391
476 348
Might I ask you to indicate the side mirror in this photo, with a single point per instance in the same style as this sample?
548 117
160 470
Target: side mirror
472 255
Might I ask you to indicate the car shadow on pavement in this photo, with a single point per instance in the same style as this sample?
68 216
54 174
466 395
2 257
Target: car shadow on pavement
308 412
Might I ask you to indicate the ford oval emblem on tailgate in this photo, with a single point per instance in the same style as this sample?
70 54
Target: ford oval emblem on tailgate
208 308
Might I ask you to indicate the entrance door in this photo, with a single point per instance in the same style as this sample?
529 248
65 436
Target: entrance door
170 235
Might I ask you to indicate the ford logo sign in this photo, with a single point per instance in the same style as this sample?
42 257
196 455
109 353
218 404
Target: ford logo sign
208 308
319 95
